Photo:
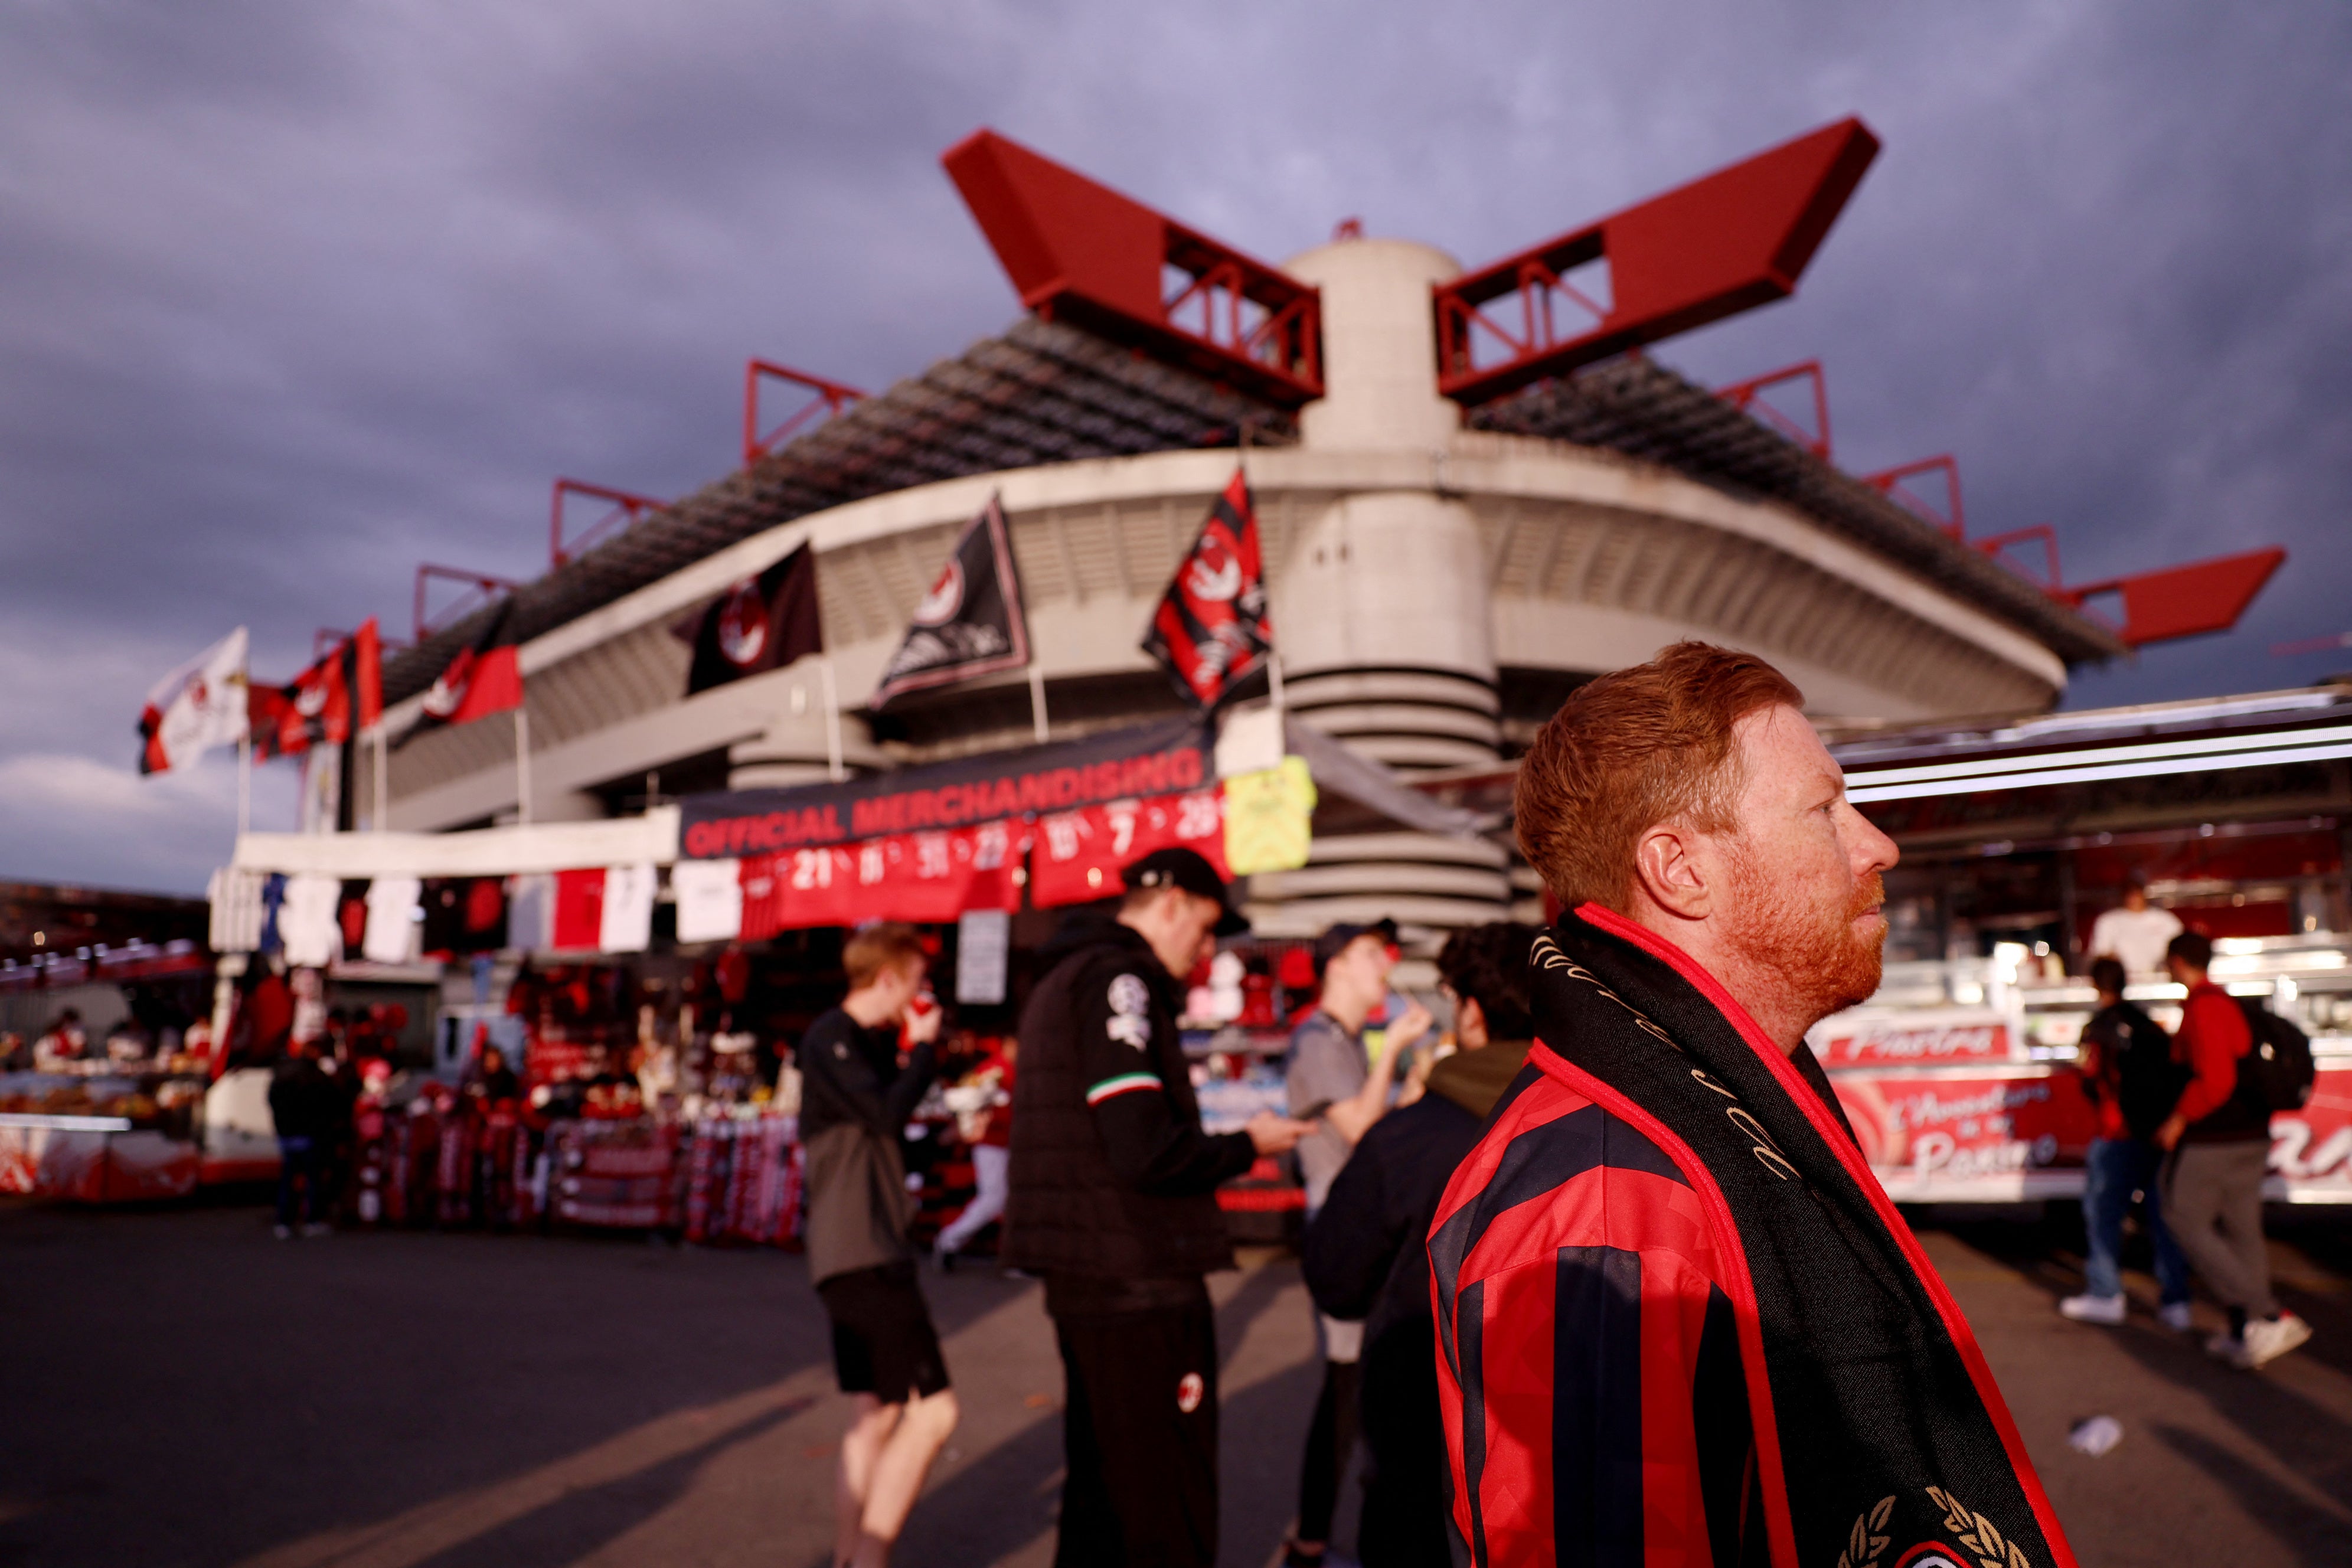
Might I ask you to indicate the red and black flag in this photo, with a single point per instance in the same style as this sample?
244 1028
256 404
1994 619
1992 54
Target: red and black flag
325 705
761 623
971 623
1211 628
483 679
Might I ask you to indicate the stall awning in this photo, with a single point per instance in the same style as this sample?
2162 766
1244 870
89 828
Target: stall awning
649 839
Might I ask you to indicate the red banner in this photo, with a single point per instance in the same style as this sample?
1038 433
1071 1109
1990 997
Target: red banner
920 876
1080 854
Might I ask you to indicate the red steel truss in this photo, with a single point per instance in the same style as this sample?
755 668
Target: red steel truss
624 513
1081 252
1894 485
1737 238
1746 396
481 588
829 396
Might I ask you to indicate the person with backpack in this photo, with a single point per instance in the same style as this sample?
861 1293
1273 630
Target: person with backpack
2218 1140
2131 1082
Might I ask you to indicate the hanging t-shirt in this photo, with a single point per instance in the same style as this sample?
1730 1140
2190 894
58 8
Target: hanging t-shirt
236 896
579 910
710 899
306 920
625 924
351 915
391 935
531 912
273 900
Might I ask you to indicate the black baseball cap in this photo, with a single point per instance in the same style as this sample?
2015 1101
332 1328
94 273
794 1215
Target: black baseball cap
1335 939
1177 867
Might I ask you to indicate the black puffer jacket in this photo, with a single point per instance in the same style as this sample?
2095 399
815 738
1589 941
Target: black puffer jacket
1112 1177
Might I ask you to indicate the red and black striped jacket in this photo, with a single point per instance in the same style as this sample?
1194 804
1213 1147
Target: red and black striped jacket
1596 1410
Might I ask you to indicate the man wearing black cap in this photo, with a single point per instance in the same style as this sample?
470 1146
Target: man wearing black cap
1114 1204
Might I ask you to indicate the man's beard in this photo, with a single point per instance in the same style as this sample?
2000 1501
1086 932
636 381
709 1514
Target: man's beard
1821 964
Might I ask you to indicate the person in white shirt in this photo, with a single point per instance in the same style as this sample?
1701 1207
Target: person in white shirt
2134 935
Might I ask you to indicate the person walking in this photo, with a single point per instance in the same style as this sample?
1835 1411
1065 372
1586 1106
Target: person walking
2131 1079
2218 1138
1679 1320
992 1152
311 1113
1366 1262
1331 1080
855 1095
1114 1204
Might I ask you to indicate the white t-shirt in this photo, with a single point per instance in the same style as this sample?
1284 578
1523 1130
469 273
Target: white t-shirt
2134 939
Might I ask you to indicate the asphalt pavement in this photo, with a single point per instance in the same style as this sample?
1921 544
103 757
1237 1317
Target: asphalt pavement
177 1388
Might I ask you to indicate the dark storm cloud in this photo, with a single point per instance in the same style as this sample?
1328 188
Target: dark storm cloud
297 297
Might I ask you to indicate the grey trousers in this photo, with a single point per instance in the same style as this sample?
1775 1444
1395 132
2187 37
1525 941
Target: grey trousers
2213 1202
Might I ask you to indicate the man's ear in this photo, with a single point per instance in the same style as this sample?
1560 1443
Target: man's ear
1668 870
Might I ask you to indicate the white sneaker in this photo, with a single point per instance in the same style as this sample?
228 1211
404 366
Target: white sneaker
2269 1338
317 1228
2105 1309
282 1232
2174 1315
2226 1346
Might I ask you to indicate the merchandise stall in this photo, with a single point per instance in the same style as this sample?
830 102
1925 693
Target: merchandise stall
96 1133
644 978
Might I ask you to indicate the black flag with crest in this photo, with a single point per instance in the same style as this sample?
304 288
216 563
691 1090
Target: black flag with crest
761 623
971 623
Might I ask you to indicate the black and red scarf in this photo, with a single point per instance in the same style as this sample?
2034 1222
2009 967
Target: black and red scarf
1881 1439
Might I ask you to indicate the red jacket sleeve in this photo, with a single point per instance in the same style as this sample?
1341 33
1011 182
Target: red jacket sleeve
2214 1035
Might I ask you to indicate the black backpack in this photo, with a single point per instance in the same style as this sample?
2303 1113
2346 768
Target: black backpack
2279 1064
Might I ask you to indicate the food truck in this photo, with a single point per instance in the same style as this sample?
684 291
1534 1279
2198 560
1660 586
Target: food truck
1959 1074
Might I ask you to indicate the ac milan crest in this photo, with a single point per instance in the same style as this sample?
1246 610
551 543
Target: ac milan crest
970 622
1211 629
761 623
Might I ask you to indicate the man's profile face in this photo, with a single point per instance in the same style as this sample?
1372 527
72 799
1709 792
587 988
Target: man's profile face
1806 896
1359 969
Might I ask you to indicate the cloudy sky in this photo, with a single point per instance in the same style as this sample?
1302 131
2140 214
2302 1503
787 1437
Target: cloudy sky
299 296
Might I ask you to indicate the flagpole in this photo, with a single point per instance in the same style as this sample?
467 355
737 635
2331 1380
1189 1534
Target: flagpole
832 765
245 784
383 782
522 762
1037 700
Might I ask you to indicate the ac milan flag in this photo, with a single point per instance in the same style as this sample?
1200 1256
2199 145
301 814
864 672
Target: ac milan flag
198 706
327 704
971 623
483 679
761 623
1212 628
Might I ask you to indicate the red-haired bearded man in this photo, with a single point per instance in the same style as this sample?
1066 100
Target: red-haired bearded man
1678 1320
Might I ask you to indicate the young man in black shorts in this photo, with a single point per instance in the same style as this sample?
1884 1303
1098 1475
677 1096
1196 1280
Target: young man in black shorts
856 1094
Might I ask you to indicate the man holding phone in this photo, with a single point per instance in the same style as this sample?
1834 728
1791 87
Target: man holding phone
1114 1204
1334 1080
855 1095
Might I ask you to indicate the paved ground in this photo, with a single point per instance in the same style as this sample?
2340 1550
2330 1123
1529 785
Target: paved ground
179 1389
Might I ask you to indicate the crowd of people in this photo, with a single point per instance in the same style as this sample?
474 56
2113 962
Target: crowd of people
1605 1278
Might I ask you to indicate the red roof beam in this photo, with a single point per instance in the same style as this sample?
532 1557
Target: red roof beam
1893 485
1080 251
1737 238
832 397
1748 397
625 510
